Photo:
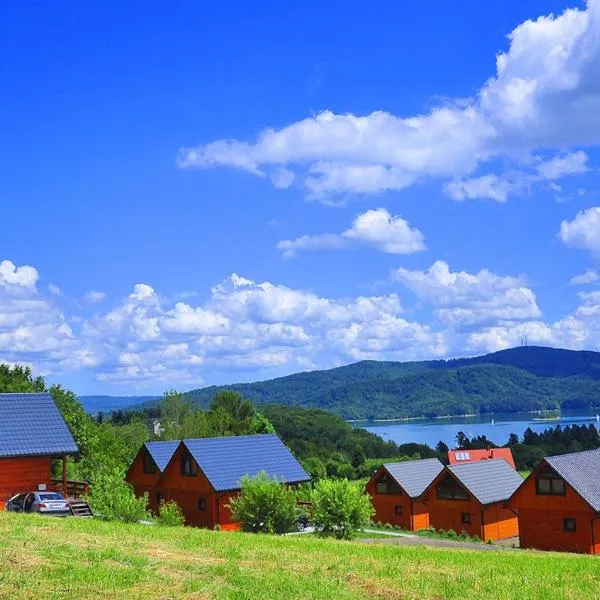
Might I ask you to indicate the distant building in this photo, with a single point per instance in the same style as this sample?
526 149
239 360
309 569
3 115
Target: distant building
157 428
458 457
559 504
470 497
33 433
203 475
395 489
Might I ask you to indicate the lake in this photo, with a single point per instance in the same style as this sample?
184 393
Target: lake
431 431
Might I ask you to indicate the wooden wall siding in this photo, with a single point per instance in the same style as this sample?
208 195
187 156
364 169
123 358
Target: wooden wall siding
447 514
23 475
541 520
187 490
500 523
491 522
544 531
596 545
136 475
385 507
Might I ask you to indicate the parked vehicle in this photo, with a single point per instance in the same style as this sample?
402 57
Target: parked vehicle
44 503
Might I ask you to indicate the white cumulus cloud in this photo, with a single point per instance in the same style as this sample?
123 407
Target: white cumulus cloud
543 98
94 296
467 299
588 276
583 231
374 228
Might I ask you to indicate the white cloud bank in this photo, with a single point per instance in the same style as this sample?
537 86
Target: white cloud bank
464 299
147 341
373 228
544 98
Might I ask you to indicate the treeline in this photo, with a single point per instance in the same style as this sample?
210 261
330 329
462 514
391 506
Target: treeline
323 442
529 450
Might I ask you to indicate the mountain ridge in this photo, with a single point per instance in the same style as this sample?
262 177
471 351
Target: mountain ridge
521 379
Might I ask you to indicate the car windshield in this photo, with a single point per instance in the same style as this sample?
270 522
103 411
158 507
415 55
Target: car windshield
51 497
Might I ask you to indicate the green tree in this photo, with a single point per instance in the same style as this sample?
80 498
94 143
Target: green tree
358 456
261 424
18 379
170 514
265 505
513 440
315 467
112 498
232 411
340 508
441 448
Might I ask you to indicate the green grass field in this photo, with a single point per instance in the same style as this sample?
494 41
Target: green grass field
78 558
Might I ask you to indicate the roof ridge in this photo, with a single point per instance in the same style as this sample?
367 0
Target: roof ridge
229 437
472 463
592 450
25 394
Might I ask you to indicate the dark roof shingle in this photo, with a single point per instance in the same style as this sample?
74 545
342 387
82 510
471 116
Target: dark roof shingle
32 425
226 460
580 470
414 476
489 480
161 452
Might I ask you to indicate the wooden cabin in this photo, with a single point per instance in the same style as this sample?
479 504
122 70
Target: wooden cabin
459 457
470 497
558 505
33 434
203 475
147 467
395 489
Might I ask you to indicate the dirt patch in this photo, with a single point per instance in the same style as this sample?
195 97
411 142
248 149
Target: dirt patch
170 555
377 588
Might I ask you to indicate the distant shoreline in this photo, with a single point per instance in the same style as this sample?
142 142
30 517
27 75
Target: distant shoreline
491 416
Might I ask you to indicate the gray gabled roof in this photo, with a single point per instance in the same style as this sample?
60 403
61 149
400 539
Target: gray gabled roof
488 480
161 452
581 471
414 476
32 425
226 460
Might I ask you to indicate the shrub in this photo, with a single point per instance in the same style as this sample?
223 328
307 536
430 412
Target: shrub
170 513
340 508
111 498
315 467
265 505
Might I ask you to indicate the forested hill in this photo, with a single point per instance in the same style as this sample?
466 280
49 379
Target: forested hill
519 379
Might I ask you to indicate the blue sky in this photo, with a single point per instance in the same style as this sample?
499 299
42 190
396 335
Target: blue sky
200 194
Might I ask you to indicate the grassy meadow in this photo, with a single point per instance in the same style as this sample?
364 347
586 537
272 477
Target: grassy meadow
79 558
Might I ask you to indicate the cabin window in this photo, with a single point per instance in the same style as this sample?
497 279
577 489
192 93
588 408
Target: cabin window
202 504
449 489
398 510
188 468
150 467
569 525
465 518
549 483
386 485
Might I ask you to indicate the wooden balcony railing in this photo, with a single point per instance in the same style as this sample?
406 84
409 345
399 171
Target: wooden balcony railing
69 488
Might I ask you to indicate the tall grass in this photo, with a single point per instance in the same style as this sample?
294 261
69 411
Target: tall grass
78 558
